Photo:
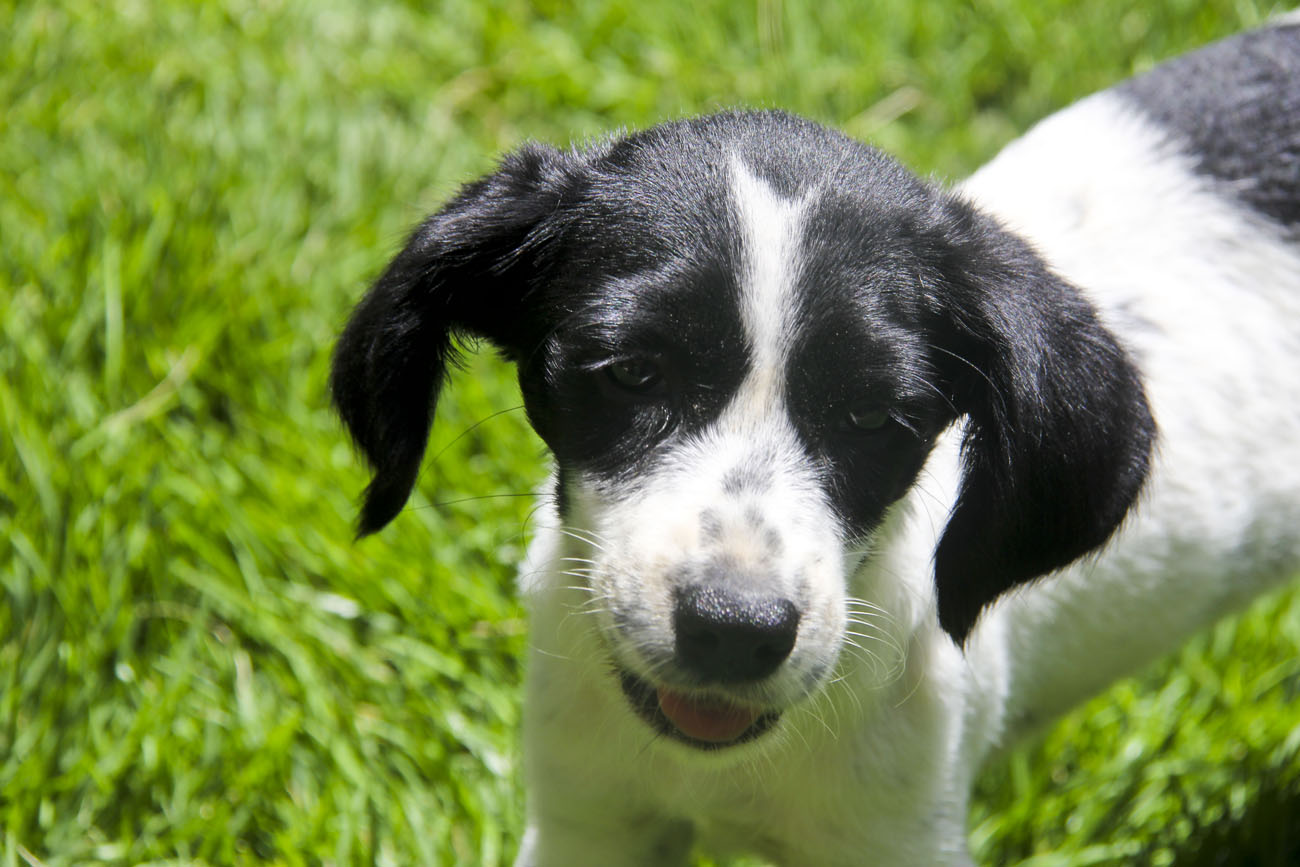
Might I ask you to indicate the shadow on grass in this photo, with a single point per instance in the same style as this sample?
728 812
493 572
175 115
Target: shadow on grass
1266 833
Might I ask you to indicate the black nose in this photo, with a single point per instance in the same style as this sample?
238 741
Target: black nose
725 637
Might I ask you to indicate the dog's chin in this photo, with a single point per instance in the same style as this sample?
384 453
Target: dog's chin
704 723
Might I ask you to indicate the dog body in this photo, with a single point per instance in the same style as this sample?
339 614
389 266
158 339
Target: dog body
857 478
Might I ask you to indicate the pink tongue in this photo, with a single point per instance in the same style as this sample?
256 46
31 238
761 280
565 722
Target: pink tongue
705 720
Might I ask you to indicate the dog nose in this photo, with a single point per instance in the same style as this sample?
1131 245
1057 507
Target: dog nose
726 637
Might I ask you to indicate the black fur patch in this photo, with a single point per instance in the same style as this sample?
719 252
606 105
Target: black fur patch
1234 106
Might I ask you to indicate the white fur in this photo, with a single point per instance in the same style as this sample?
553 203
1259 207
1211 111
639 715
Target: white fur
771 239
875 766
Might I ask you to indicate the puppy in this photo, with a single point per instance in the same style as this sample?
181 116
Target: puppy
856 478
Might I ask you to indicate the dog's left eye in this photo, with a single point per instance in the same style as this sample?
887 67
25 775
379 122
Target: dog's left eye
635 375
867 419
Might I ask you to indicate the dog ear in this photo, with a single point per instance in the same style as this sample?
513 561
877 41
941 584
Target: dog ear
1059 433
463 272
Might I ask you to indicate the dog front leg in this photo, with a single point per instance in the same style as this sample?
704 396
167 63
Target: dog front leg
581 840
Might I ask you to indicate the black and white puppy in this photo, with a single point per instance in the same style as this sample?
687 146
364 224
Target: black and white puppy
857 477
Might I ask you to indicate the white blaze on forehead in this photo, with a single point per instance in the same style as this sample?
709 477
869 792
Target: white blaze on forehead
771 228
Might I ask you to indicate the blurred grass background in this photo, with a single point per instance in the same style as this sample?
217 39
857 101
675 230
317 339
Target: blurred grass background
197 664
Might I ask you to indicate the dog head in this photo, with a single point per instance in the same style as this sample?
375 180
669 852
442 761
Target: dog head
740 336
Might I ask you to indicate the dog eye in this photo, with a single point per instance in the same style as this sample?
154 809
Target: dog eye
637 375
867 418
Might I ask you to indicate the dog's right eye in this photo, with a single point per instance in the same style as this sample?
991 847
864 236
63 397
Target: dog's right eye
635 375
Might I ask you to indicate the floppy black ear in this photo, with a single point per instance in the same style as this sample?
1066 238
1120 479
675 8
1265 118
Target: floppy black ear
1059 432
464 271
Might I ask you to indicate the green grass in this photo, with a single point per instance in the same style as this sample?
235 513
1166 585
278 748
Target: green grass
197 664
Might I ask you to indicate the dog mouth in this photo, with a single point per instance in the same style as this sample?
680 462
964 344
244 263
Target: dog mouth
706 723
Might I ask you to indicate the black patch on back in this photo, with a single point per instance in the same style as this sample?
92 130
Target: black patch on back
1234 106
